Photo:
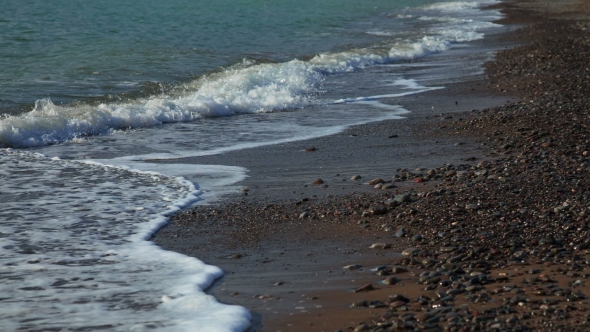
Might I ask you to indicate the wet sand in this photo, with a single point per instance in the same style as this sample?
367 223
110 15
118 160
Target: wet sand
496 204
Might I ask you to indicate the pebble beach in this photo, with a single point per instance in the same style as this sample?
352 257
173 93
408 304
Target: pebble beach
489 232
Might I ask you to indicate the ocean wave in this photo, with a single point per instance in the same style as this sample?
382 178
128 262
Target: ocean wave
243 89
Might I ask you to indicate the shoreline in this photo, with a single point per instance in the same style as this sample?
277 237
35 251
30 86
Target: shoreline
286 267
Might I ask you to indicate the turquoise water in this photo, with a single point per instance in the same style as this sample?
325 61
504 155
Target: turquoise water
74 50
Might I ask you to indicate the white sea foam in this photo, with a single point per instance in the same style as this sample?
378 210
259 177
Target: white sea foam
411 85
381 33
92 266
457 6
242 89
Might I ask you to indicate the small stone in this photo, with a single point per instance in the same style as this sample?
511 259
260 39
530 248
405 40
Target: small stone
359 304
304 215
398 297
380 246
318 181
401 232
454 291
311 149
455 259
398 269
401 198
388 186
378 210
450 173
365 288
352 267
390 203
383 273
422 317
428 262
433 280
449 266
379 268
375 181
410 251
550 239
391 280
356 177
377 304
362 327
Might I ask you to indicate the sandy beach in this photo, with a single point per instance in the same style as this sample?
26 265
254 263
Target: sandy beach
472 213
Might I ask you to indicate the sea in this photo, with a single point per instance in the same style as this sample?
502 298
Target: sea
94 95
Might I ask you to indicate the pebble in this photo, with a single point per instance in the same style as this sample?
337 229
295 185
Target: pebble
390 203
377 304
380 246
379 268
402 198
318 181
352 267
397 304
361 303
410 251
401 232
399 297
398 269
364 288
377 210
361 327
376 181
422 317
391 280
388 186
450 173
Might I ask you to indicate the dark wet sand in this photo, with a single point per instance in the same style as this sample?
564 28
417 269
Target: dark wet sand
289 270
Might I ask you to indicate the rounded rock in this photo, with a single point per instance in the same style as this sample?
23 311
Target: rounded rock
318 181
410 251
376 181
